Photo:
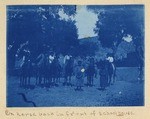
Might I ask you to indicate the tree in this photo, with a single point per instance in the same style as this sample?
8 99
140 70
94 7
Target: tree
116 22
120 24
42 27
88 48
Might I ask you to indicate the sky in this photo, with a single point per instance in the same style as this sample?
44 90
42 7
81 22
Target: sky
85 21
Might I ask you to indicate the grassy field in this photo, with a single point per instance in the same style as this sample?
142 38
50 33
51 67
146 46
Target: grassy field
129 74
125 92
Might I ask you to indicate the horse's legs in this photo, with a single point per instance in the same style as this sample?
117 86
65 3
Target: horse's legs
36 76
44 80
21 77
65 80
92 80
26 78
20 80
88 80
50 80
70 80
40 80
36 80
59 77
54 80
47 80
29 80
113 78
110 79
23 81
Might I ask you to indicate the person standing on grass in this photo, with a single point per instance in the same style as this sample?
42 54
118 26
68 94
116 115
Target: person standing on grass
79 74
90 71
103 75
111 70
68 71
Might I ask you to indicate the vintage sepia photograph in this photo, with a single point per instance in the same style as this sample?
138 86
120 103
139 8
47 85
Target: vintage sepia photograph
75 55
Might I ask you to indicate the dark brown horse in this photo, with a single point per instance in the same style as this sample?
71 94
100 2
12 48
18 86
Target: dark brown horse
25 73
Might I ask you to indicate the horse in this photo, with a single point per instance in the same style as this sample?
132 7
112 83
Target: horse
39 68
25 73
23 63
55 71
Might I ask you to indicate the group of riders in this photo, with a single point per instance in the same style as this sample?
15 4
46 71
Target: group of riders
49 70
